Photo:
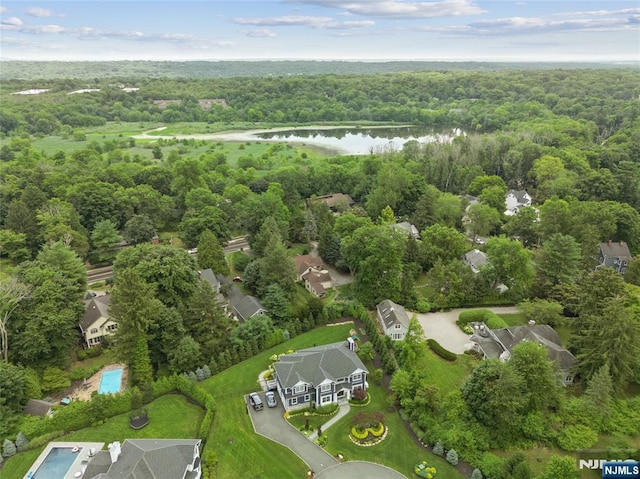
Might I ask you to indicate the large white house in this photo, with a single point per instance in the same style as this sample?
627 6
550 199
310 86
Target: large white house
393 319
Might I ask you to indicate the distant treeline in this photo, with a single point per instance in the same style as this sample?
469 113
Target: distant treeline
25 70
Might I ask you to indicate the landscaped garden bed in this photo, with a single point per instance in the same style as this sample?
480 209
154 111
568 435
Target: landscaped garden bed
368 429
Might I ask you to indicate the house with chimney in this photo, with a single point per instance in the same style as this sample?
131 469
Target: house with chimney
321 375
499 343
311 272
393 319
614 254
96 324
147 459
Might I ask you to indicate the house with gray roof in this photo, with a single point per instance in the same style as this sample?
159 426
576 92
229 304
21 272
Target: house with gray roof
96 322
515 200
499 343
147 459
209 276
407 229
475 259
337 202
248 307
38 407
393 319
319 376
614 254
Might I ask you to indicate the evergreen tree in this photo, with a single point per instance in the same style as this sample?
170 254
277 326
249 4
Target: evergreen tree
8 448
211 254
142 373
476 474
21 441
452 457
599 392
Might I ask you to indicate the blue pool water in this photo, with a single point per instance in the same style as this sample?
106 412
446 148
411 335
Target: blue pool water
111 381
56 464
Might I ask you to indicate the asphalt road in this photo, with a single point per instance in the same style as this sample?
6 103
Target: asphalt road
101 274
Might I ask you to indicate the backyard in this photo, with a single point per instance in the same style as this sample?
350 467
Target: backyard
171 416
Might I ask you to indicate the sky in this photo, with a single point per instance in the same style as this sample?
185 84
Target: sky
373 30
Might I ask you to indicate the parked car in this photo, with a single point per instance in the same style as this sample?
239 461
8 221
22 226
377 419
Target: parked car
255 401
271 399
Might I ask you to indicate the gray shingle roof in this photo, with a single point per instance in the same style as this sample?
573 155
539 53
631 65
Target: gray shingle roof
542 334
392 313
149 459
209 276
615 249
247 307
520 195
37 407
315 365
476 258
96 308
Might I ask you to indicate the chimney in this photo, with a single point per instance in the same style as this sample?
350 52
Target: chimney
114 451
609 242
621 243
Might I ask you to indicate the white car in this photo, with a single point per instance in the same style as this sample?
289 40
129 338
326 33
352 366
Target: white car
271 399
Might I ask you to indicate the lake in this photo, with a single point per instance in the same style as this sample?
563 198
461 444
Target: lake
362 141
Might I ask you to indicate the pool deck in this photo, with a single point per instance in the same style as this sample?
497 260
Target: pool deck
83 392
79 465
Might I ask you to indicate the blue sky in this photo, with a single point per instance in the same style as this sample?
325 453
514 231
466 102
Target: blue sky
448 30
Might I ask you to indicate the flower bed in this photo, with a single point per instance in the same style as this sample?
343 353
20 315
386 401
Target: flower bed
369 436
423 469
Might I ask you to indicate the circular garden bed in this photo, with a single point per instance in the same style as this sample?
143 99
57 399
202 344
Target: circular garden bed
369 436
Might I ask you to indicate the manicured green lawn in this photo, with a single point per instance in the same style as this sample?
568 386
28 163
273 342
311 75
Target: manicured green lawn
398 451
447 376
171 416
237 446
516 319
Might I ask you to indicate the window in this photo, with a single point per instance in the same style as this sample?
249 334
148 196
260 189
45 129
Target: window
299 389
398 326
396 336
293 401
94 330
325 388
112 327
306 398
356 377
325 399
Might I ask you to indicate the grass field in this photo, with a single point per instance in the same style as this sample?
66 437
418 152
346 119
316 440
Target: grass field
171 416
238 447
397 451
447 376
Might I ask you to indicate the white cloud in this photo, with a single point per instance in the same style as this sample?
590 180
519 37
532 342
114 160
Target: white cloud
350 25
401 9
259 32
40 12
593 21
285 21
12 21
3 9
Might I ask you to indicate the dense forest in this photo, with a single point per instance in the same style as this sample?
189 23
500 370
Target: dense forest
75 183
231 69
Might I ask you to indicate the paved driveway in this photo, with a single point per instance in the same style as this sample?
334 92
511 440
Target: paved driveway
443 328
270 423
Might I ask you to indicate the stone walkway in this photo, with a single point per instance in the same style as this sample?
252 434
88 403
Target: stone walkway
344 410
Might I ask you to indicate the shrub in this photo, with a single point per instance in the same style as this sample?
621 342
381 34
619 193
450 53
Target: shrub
21 441
476 474
89 353
207 371
8 448
492 320
54 379
440 351
359 433
422 305
438 449
574 438
496 322
359 395
452 457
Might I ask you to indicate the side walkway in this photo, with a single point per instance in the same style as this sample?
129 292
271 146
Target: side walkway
344 410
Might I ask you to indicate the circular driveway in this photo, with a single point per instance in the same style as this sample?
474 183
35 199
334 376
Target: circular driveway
442 327
358 470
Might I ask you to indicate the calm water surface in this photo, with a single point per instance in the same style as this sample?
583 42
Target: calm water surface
362 141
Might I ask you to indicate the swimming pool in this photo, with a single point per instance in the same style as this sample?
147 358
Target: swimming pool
56 464
111 381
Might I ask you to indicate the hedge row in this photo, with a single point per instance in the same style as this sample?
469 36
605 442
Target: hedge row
440 351
491 319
